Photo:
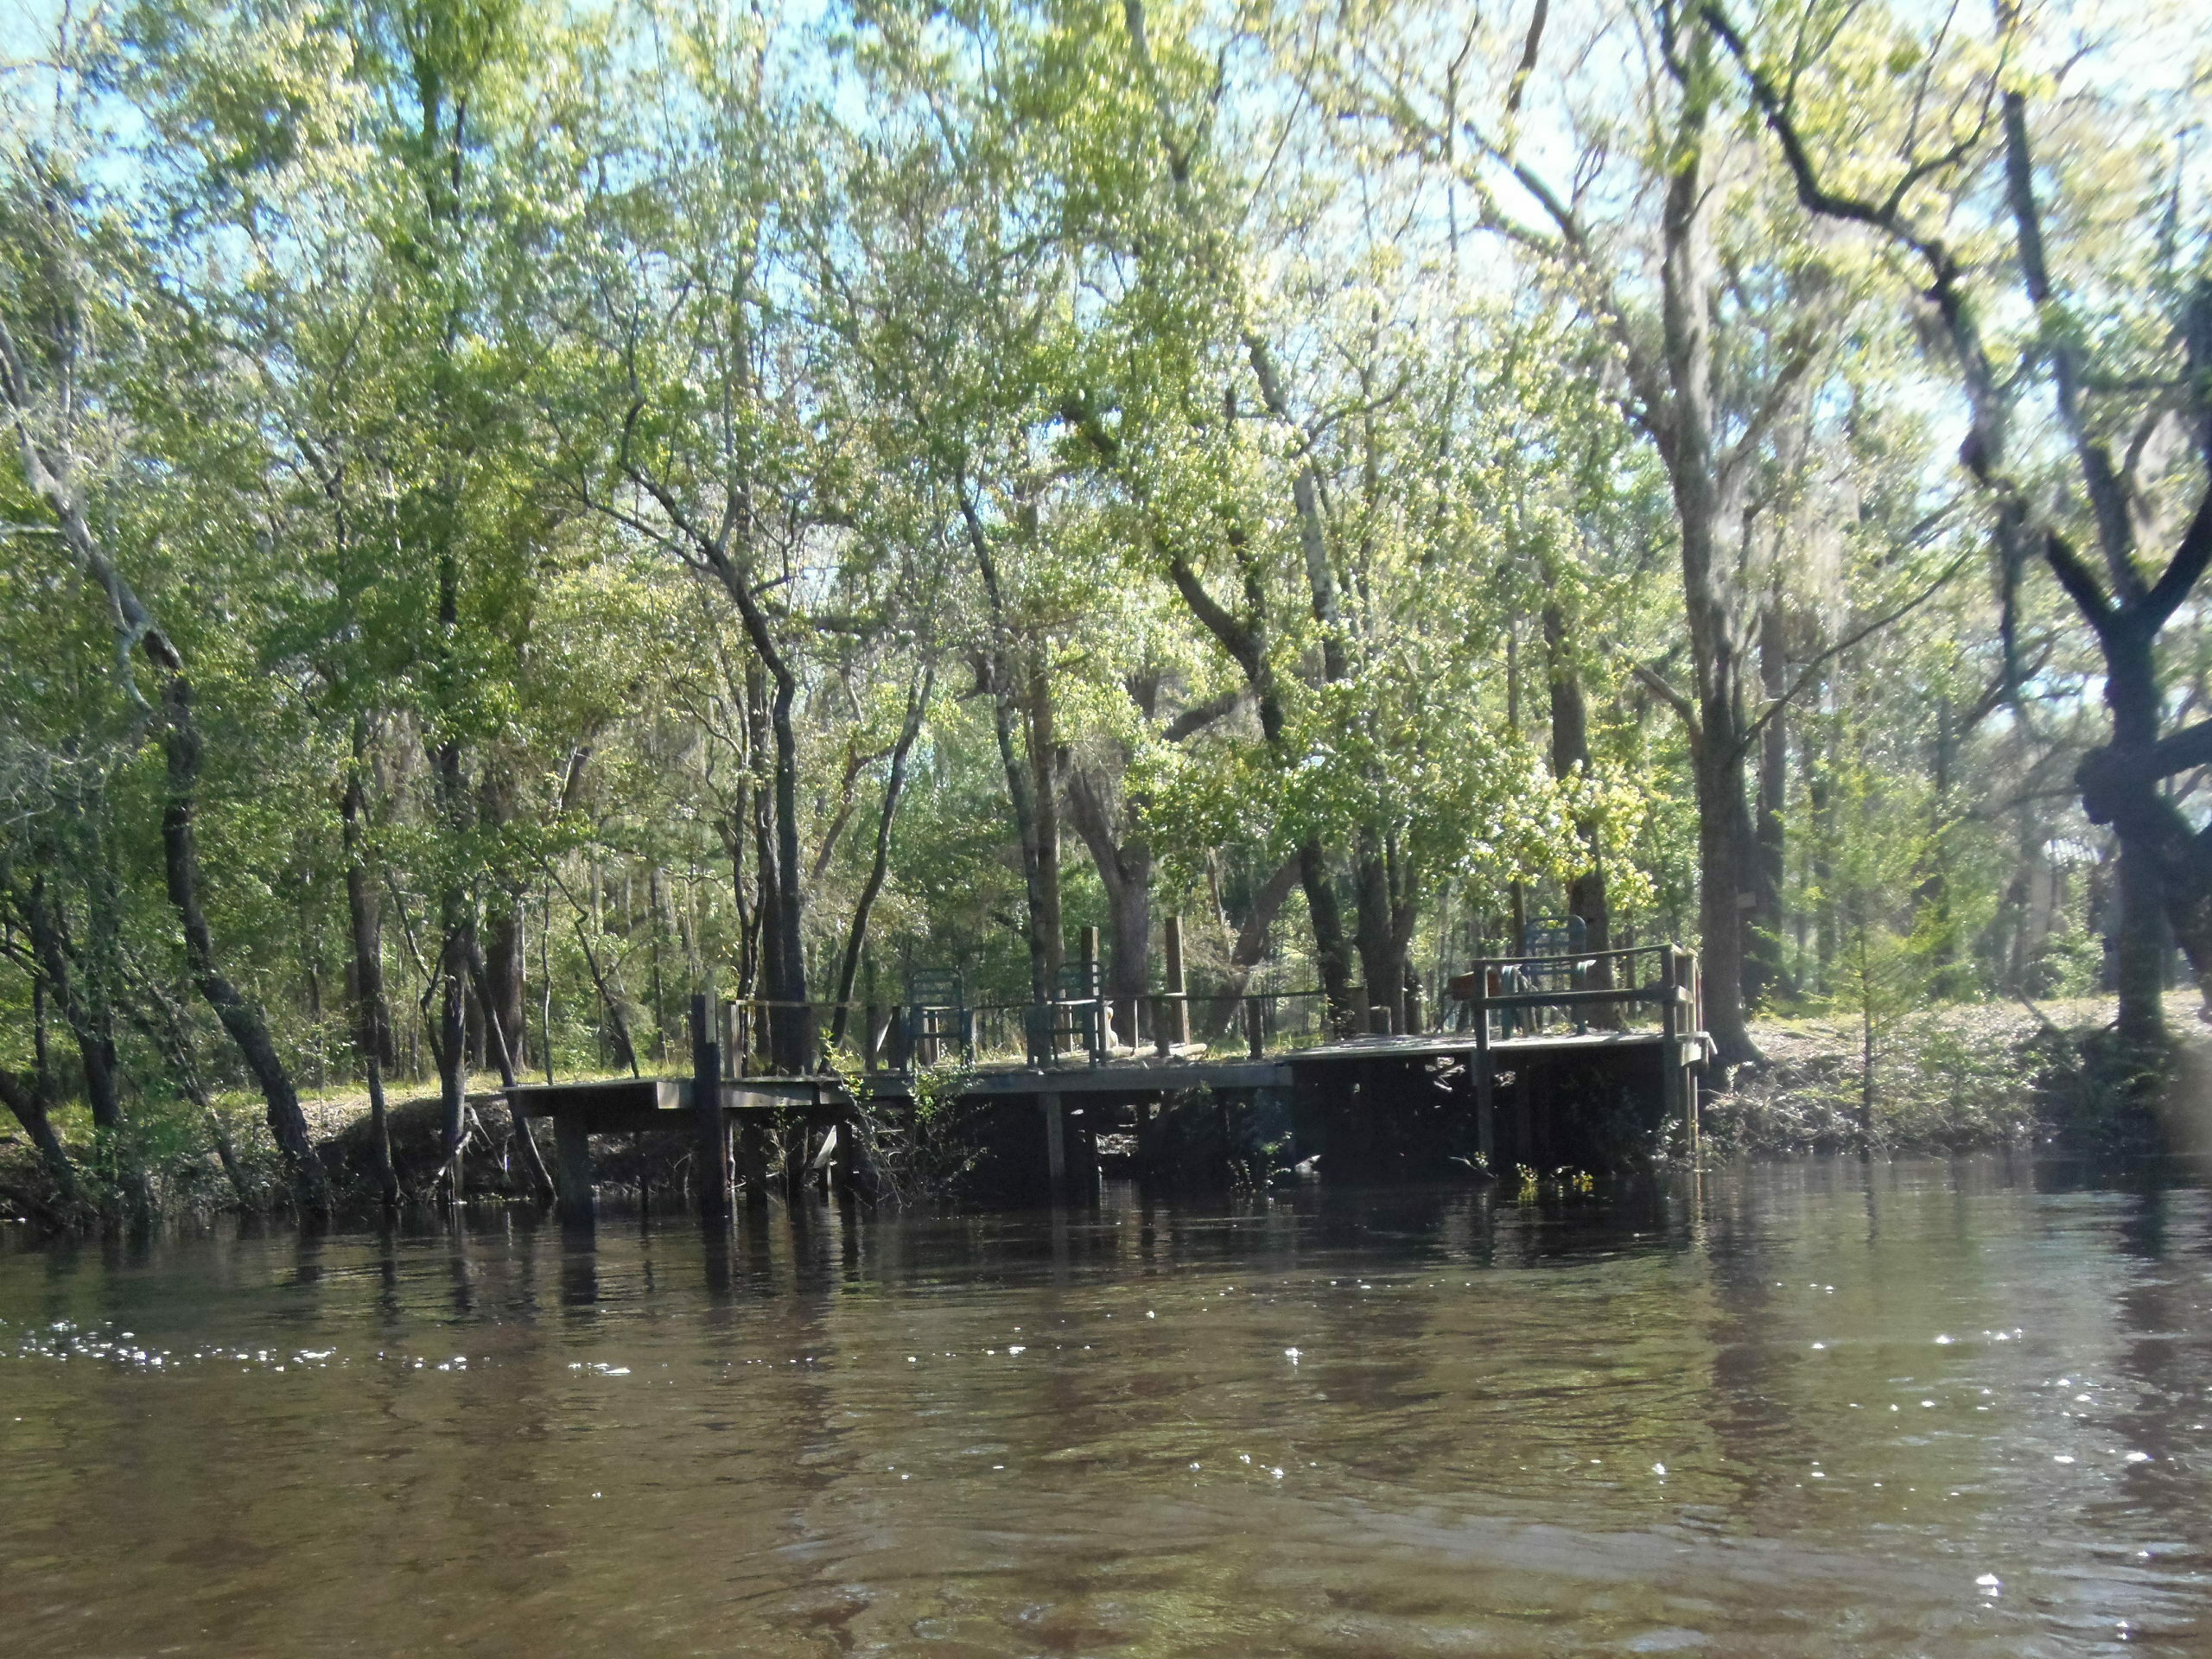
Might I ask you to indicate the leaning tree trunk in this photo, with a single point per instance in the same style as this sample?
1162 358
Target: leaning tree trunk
879 867
89 1025
26 1100
1251 945
241 1019
50 473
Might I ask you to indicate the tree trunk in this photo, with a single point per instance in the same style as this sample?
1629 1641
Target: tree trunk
450 1045
1124 863
1763 973
371 1023
2141 941
1724 842
506 967
790 1025
26 1100
617 1028
161 1022
1689 447
1585 892
504 971
89 1022
1379 940
1042 740
1042 895
1251 943
1029 774
241 1019
918 703
504 1043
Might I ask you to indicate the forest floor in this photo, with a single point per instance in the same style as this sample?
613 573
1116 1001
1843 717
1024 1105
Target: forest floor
1952 1078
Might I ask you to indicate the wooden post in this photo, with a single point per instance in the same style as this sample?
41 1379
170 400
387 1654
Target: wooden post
1672 994
1696 1013
1178 1008
707 1126
753 1159
1413 1025
572 1152
1378 1020
1485 1102
1256 1026
1056 1147
1096 1026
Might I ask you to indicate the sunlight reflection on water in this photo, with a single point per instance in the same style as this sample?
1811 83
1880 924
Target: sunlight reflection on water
1810 1408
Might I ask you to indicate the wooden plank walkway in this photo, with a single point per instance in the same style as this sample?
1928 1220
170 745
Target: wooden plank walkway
1132 1081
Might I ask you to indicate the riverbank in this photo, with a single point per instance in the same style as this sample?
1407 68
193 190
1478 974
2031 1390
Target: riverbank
1960 1078
1965 1078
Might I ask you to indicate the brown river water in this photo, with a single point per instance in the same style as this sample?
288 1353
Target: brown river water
1817 1409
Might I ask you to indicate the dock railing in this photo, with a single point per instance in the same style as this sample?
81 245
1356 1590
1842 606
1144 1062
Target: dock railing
1677 992
1495 1000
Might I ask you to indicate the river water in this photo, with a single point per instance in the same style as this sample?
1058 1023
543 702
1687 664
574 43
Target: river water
1941 1408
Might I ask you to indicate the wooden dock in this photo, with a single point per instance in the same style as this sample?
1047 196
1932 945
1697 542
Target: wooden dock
1485 1098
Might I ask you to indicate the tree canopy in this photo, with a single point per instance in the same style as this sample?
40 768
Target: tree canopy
513 513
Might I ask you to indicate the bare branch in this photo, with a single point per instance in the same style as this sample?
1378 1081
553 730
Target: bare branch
1856 636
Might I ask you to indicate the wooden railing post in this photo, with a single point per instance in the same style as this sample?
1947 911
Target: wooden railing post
1178 1008
1696 1031
1485 1083
1256 1026
1673 994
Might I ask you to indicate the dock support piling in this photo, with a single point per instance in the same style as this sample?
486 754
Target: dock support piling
1056 1145
572 1154
753 1159
1256 1026
709 1127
